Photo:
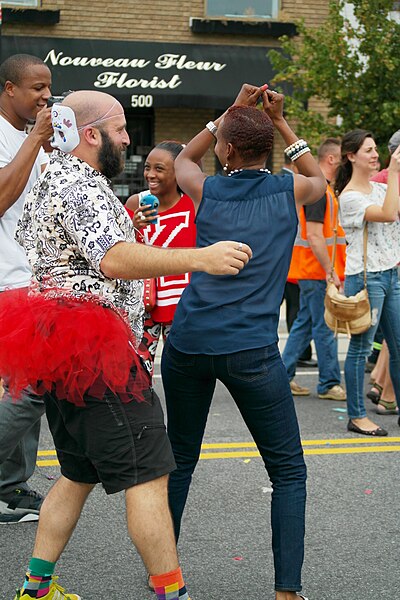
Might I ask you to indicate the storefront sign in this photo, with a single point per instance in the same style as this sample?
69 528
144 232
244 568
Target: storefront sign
144 74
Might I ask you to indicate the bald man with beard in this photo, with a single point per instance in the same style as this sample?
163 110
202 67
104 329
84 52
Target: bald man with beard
80 243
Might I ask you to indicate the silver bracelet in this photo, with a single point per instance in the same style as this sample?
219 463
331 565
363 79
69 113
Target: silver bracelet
212 128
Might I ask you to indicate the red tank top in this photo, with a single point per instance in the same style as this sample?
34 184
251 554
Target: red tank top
175 229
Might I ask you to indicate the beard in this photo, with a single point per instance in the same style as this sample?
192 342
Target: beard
110 157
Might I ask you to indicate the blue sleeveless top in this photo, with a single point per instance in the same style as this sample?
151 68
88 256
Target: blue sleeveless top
225 314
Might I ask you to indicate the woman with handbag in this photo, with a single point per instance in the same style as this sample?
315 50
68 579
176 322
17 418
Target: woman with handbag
174 228
374 207
226 330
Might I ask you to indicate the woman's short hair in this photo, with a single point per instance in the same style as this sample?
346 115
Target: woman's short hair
351 143
249 130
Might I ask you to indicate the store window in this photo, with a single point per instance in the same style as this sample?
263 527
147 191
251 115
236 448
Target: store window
244 9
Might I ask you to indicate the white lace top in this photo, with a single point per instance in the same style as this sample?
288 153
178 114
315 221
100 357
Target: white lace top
383 251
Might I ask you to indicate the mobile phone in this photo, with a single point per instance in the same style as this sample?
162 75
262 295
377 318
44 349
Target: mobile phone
54 100
154 203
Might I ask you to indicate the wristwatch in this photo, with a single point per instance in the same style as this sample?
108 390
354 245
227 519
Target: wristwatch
212 128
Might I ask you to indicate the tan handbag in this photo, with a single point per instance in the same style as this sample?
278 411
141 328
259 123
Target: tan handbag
351 315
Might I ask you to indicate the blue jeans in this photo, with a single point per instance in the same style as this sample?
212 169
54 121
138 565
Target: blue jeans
384 297
310 324
257 381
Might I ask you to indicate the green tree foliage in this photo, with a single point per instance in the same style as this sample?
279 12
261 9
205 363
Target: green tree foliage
355 70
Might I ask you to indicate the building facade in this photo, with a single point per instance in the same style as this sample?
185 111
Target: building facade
173 65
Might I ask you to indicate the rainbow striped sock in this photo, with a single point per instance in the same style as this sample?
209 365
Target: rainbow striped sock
38 578
36 586
170 586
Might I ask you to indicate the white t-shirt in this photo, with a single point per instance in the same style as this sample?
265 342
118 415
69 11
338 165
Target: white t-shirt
383 250
14 268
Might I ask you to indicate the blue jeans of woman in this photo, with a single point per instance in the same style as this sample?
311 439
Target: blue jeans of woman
384 296
310 324
258 383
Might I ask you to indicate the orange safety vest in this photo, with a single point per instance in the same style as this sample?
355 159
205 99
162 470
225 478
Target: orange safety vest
304 264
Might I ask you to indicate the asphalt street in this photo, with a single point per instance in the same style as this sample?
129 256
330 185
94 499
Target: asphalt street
353 531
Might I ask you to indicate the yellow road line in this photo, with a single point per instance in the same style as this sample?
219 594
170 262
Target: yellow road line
318 451
327 442
361 450
350 447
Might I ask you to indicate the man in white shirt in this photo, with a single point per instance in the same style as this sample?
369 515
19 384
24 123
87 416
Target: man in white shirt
24 90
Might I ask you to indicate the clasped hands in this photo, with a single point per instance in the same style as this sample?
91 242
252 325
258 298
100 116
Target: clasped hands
249 95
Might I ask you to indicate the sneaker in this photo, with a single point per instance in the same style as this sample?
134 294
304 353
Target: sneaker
22 507
56 593
297 390
308 364
334 393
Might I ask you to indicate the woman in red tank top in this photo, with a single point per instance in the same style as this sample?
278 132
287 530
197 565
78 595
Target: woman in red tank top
175 228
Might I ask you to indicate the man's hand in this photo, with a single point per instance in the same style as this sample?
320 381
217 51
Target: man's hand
333 277
224 258
249 95
273 104
394 164
43 127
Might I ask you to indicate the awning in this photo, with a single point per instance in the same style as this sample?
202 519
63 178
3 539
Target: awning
144 74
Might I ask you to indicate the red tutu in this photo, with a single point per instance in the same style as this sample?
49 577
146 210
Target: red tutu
67 345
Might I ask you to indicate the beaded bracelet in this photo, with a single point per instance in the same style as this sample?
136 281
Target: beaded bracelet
293 151
297 145
300 153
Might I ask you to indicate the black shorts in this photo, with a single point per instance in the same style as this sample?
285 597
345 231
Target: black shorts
110 442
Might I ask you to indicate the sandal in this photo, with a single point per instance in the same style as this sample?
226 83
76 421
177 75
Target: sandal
387 408
375 396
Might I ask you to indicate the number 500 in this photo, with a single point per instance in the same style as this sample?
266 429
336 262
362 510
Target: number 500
141 100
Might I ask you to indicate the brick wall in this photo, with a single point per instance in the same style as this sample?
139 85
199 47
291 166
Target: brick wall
182 124
151 20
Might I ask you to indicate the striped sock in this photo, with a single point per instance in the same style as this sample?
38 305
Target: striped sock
170 586
38 579
36 586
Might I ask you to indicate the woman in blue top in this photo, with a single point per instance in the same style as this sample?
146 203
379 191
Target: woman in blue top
225 328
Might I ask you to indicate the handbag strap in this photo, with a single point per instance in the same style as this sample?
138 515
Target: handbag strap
365 244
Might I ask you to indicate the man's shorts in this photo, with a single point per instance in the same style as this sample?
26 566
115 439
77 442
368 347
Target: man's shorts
110 442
